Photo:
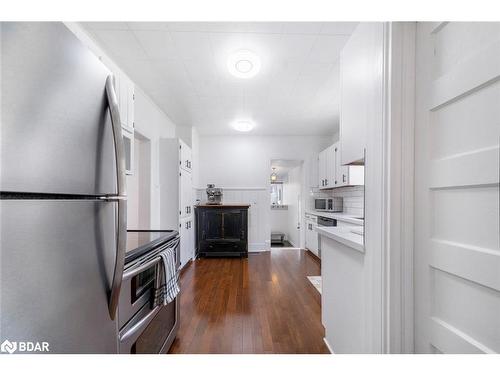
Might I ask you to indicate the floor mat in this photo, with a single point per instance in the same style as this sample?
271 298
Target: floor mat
316 282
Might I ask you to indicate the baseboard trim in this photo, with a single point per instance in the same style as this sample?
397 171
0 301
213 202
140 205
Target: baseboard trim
328 345
258 247
185 267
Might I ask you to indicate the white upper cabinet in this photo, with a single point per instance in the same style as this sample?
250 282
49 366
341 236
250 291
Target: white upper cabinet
347 175
333 174
323 168
359 76
326 161
330 167
185 156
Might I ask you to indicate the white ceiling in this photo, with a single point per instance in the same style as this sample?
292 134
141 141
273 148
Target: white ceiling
182 66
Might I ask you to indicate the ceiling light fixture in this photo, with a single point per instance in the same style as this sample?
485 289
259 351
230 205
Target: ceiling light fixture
243 125
243 64
274 176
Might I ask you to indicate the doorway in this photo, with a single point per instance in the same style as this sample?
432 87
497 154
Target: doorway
139 184
286 203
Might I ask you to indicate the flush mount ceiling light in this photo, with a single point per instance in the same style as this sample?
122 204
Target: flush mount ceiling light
243 64
243 125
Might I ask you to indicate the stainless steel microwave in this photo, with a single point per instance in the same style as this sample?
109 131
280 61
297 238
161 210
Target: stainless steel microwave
334 204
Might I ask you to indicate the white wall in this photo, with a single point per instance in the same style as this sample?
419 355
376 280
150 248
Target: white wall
153 124
279 221
139 186
240 165
185 133
195 155
243 161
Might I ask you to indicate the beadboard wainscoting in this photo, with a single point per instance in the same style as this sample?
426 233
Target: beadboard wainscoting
258 214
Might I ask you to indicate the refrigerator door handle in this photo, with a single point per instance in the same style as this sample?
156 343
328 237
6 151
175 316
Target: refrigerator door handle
121 182
121 198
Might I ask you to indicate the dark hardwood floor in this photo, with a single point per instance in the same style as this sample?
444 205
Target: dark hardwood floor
262 304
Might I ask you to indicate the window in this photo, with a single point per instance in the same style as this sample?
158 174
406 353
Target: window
276 193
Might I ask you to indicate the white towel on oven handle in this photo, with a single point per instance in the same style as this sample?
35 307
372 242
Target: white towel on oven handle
167 281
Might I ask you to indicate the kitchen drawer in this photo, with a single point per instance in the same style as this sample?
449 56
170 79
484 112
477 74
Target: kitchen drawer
225 247
222 246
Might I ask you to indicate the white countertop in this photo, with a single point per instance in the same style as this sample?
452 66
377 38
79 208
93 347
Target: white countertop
344 236
338 216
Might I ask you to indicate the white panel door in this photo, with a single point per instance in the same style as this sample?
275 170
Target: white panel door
457 255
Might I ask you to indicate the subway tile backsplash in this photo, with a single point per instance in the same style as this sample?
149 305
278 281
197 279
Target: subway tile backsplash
352 197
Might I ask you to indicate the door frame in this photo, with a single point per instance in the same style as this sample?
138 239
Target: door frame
399 125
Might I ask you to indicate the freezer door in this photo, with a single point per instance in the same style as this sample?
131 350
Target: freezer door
56 266
56 130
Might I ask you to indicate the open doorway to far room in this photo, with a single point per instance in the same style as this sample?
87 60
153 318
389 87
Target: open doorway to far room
286 203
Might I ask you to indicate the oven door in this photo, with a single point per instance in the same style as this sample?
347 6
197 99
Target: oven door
142 329
136 291
151 331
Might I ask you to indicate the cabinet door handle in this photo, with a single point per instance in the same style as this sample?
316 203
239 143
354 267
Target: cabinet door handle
343 178
326 182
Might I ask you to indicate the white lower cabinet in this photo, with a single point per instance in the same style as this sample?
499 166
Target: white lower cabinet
186 230
186 194
177 198
311 234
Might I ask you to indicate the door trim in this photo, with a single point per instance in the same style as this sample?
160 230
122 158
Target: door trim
399 190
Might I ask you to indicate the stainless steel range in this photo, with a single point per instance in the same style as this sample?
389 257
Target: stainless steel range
145 328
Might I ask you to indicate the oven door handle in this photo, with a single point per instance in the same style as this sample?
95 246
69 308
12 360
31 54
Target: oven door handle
128 274
137 270
136 329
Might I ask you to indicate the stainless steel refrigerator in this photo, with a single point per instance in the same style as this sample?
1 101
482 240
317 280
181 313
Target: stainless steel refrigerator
63 195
